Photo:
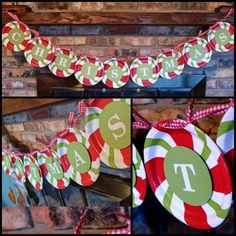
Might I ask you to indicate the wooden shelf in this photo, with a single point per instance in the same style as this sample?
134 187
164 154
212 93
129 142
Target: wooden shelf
117 18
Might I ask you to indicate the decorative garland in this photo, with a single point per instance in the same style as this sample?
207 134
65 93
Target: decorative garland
78 153
186 169
115 73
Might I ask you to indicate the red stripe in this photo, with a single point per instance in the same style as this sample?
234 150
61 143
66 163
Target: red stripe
7 171
229 46
125 79
109 83
6 29
37 186
10 46
221 180
44 169
93 153
126 153
60 184
146 83
78 67
201 64
141 185
195 216
86 179
231 30
106 66
27 169
71 137
101 103
91 59
155 172
65 163
133 71
34 62
120 64
22 27
97 141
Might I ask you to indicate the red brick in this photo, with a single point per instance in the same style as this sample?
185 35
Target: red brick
28 137
103 41
163 41
4 73
16 136
68 40
17 61
139 41
55 125
33 126
116 29
89 51
91 6
39 114
178 40
117 6
31 84
21 72
40 214
17 127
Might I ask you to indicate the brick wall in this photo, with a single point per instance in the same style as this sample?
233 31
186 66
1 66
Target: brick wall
117 41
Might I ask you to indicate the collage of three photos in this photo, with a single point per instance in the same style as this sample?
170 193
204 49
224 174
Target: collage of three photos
117 118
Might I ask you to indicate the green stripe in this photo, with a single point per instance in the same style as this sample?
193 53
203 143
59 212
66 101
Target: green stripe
60 145
168 199
221 213
91 117
206 150
111 158
153 142
225 127
95 171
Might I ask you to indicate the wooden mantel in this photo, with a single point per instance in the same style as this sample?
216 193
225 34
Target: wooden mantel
114 18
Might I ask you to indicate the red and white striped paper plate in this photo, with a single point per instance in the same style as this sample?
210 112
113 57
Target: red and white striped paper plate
200 192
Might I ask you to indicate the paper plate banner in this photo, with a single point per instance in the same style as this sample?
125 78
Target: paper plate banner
52 169
188 175
115 72
39 52
15 36
139 181
107 122
78 157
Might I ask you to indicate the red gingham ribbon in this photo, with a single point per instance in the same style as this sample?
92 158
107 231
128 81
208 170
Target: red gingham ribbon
141 123
81 109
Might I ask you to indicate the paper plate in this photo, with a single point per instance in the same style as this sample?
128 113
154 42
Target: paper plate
78 157
221 37
144 71
15 36
225 137
116 73
107 122
197 52
64 63
188 175
39 52
33 172
171 64
139 178
18 167
52 169
6 163
89 70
